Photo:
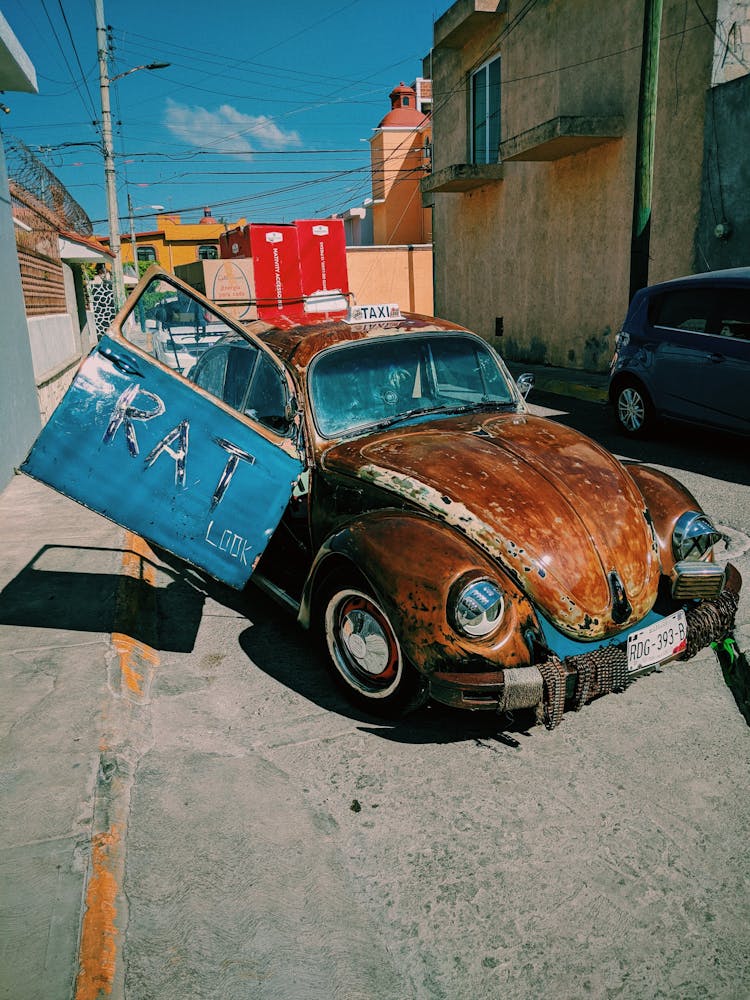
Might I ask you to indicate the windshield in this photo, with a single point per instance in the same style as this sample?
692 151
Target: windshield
373 382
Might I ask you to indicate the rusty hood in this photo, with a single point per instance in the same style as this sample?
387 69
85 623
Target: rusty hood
560 513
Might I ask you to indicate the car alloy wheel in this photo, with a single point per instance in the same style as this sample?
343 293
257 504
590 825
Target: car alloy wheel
633 409
366 655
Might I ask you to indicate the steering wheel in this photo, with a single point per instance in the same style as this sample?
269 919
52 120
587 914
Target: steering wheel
396 379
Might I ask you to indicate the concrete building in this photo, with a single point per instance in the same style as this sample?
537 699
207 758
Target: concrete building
19 409
535 125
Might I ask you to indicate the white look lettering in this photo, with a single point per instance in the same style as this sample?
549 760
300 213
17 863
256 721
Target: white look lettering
229 542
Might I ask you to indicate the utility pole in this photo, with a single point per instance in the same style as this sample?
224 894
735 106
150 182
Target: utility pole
645 144
133 241
113 216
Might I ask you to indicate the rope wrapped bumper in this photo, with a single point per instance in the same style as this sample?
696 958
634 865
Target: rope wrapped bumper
605 670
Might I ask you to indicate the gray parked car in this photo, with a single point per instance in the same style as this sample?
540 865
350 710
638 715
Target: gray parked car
684 353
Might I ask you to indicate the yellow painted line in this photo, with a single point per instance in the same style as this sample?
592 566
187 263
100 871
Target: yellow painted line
137 660
133 654
97 956
101 937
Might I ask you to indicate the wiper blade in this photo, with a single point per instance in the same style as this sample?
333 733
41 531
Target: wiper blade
458 408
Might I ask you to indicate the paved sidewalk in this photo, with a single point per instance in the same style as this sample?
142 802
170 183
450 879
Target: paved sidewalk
592 386
129 725
59 577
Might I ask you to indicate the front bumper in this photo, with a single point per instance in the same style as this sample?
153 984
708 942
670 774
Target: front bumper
555 685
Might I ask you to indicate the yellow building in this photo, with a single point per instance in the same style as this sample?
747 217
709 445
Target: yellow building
400 150
399 155
173 242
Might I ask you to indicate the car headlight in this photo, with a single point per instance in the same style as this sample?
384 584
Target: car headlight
476 607
694 535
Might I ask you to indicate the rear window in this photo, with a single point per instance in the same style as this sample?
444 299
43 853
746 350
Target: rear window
722 312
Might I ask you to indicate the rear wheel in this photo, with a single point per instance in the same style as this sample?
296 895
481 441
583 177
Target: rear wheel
634 410
365 654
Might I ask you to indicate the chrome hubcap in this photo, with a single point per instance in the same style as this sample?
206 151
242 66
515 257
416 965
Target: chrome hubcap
366 641
631 409
362 644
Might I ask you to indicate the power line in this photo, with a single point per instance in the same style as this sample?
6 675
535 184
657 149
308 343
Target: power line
75 53
91 110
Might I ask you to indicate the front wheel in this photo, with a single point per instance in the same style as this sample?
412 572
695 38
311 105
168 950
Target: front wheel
366 656
633 409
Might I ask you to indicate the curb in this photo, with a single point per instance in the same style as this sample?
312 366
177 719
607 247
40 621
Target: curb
590 386
592 393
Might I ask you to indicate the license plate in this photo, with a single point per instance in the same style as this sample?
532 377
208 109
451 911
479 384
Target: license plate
658 642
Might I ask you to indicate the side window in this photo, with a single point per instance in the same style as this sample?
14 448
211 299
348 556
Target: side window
684 309
734 315
485 112
172 326
210 373
266 400
242 361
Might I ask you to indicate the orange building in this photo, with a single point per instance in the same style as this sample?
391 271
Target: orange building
400 151
174 242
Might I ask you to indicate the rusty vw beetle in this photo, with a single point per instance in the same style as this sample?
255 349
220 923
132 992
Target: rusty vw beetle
382 475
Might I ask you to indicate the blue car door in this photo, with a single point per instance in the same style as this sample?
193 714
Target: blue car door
136 441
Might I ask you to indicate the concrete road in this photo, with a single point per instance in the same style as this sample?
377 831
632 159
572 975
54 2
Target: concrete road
192 810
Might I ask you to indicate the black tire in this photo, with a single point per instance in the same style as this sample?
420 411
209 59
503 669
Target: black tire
634 411
364 653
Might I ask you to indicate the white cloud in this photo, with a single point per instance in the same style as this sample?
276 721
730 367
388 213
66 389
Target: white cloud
226 129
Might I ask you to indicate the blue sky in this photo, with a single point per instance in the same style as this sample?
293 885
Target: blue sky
261 113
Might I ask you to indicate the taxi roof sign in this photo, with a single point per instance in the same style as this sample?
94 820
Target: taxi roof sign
379 312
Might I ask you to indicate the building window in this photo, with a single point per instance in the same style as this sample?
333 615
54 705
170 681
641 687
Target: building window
208 252
485 112
146 253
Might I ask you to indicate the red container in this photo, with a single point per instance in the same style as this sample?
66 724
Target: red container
278 284
235 243
322 255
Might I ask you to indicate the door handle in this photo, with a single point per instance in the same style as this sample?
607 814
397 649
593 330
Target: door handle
716 358
124 365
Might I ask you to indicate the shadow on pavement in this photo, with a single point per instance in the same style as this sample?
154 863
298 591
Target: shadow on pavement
718 454
291 656
47 594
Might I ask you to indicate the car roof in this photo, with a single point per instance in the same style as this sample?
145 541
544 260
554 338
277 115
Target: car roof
298 345
728 276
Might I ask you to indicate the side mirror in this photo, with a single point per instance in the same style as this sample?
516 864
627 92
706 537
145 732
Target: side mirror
525 383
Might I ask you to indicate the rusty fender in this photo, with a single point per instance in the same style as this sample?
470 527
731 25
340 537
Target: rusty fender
666 499
411 563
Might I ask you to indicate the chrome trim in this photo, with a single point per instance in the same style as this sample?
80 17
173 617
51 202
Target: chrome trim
692 580
525 383
276 593
693 536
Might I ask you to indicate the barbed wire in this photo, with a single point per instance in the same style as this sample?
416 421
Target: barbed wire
27 171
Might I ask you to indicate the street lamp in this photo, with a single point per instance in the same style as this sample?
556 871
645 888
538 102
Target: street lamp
156 208
136 68
118 282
